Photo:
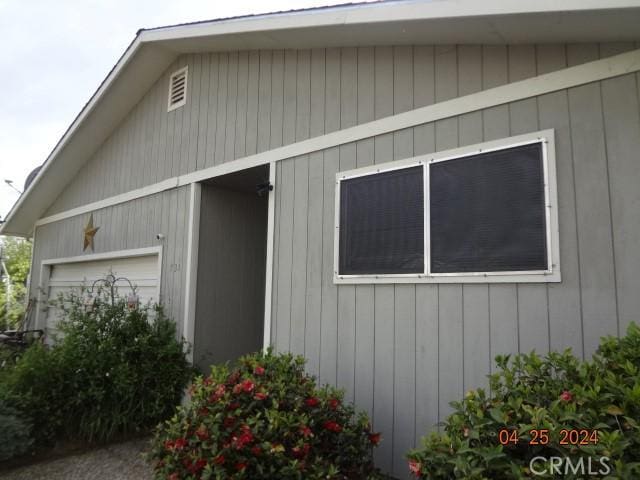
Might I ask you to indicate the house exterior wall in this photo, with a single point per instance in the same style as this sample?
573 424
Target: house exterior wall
241 103
403 352
123 227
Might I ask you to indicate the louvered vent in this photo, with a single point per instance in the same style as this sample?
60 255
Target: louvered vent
177 89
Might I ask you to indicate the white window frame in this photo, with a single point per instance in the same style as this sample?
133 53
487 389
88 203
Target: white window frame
183 102
545 137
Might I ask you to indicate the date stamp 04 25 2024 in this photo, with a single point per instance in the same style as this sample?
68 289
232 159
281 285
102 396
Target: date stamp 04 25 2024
542 437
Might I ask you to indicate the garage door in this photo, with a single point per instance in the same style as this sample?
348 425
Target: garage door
142 271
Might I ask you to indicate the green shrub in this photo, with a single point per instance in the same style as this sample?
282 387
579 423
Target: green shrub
555 393
264 419
114 371
35 385
15 434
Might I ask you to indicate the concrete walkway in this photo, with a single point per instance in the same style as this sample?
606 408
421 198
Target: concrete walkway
121 461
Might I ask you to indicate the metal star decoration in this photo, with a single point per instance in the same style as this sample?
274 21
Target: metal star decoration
89 233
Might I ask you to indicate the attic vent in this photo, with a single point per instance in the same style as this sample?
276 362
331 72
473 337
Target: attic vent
177 89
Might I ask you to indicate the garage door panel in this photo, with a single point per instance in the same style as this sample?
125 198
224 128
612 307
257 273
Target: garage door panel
141 271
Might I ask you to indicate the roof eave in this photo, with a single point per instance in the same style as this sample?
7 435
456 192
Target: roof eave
152 51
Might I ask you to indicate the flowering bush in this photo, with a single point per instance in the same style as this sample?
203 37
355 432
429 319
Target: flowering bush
265 419
532 401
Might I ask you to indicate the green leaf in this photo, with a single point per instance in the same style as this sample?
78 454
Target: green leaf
498 415
613 410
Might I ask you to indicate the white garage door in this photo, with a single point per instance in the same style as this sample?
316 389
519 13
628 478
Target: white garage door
142 271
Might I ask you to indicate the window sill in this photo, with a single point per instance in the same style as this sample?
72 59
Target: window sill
544 277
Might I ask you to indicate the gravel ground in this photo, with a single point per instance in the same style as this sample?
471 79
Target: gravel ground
122 461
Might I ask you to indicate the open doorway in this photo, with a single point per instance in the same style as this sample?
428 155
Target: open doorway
229 318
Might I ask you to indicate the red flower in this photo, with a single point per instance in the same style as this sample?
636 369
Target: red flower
414 467
312 402
202 433
218 460
173 476
333 403
258 370
256 450
168 445
306 431
195 467
233 378
332 426
208 381
217 395
233 406
248 386
180 443
239 441
260 396
237 389
300 452
566 396
375 438
241 466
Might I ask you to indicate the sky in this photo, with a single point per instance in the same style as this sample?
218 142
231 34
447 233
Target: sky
55 54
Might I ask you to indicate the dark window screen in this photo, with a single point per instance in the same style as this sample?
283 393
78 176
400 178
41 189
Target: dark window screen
488 212
382 223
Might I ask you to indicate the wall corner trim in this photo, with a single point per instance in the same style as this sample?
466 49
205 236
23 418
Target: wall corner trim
193 241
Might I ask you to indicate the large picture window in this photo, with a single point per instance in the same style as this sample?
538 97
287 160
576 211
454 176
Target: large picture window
484 213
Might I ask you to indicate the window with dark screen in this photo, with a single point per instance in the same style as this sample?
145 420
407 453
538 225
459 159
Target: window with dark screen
382 223
487 212
476 214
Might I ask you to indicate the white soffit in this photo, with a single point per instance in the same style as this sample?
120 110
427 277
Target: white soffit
396 22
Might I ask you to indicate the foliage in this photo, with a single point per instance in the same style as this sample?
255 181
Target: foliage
552 393
114 371
264 419
15 434
16 254
35 386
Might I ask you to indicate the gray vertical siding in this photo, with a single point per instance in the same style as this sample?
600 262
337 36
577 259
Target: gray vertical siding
241 103
123 227
229 313
403 352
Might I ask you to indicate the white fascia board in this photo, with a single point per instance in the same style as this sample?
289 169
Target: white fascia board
382 12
